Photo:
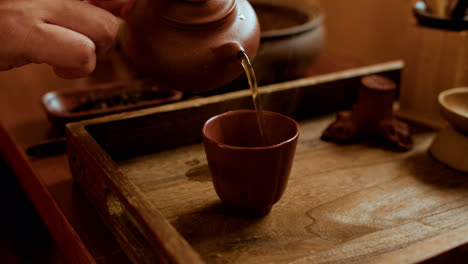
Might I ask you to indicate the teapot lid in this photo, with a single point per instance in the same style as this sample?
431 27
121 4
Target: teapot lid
194 12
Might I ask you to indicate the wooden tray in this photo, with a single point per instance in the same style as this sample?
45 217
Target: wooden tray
146 174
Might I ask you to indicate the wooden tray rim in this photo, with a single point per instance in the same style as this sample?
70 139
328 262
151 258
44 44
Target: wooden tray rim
371 69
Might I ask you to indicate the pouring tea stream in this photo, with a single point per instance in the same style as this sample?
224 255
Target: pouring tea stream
249 71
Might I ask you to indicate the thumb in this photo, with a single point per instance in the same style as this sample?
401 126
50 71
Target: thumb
116 7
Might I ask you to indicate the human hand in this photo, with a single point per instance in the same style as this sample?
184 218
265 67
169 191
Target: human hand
66 34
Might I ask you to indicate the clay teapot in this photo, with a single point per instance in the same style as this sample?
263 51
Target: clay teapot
190 45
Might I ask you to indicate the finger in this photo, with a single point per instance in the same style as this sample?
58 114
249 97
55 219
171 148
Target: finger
61 48
97 24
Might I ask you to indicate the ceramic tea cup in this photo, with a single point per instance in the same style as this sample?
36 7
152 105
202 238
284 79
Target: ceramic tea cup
247 176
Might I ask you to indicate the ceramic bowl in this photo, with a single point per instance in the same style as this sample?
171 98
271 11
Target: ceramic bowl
451 144
454 107
292 36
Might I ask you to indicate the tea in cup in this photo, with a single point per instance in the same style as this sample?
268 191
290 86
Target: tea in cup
248 175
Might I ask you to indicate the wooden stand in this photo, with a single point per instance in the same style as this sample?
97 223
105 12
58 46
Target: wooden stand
436 60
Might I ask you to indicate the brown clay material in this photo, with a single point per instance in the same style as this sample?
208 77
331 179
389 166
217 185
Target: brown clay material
190 46
292 37
247 177
375 101
372 116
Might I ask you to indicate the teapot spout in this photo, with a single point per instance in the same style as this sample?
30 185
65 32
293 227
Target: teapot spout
229 51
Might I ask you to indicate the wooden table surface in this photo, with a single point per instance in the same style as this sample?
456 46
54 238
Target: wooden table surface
371 37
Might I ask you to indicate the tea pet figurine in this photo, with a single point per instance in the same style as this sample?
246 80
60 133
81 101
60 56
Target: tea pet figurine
372 115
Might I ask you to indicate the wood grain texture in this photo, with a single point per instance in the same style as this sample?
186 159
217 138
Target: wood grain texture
343 204
435 60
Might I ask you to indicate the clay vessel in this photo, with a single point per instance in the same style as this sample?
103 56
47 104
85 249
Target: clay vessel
190 46
454 107
291 38
248 177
